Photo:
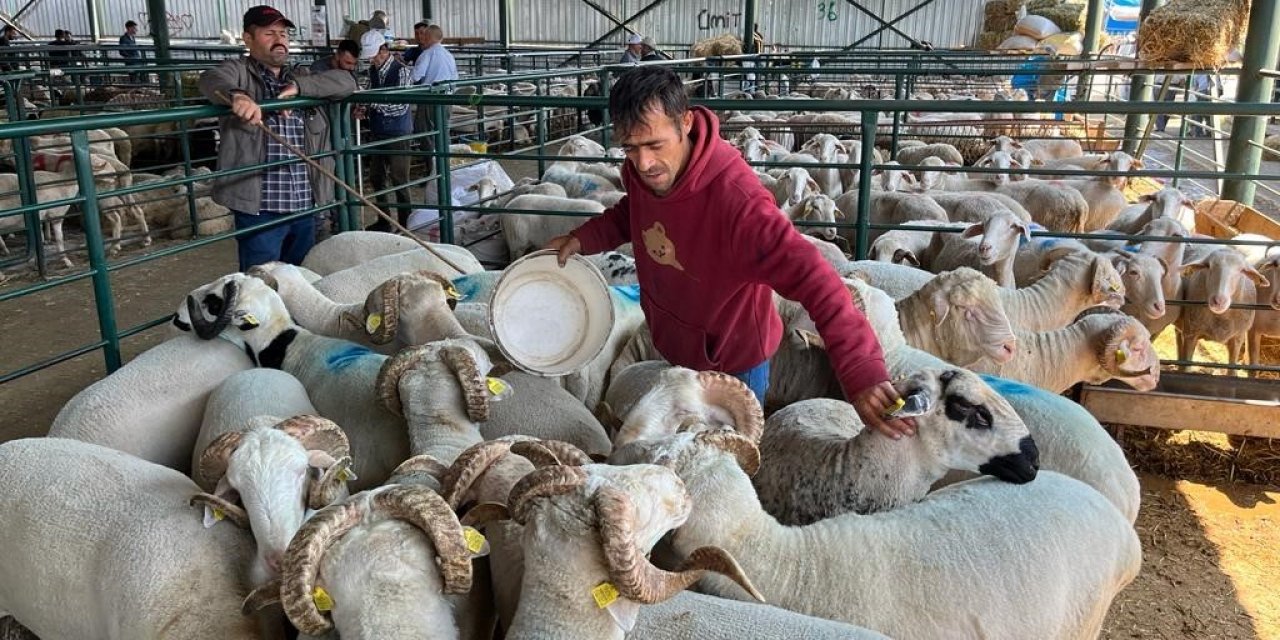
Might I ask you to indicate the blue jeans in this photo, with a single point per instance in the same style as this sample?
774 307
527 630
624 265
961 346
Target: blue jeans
757 378
289 242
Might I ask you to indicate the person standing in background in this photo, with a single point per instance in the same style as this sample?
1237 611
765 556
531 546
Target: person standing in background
386 123
634 50
433 64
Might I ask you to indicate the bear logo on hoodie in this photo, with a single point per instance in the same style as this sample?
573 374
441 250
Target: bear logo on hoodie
660 247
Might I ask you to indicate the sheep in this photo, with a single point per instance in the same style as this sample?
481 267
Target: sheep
825 148
990 246
524 232
153 405
248 398
389 562
915 155
693 615
1143 277
888 207
1104 195
576 183
1044 151
1114 161
1102 344
1220 278
592 525
524 186
349 384
354 248
977 206
966 322
648 399
907 246
50 186
1265 323
793 185
816 208
1055 206
1070 440
817 460
277 472
891 178
541 408
101 544
966 553
981 182
355 283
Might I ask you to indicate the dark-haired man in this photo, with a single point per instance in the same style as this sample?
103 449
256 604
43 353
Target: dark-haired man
260 197
347 57
711 247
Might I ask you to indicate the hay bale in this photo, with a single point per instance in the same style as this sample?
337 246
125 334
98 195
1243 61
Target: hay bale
1038 7
1069 16
1199 32
1272 144
1001 15
989 40
722 45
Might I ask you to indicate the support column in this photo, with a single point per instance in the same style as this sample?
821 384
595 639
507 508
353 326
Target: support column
1140 90
750 9
504 23
95 28
159 25
1260 52
427 13
1092 34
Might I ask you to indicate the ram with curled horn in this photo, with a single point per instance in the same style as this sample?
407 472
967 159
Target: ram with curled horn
277 473
650 399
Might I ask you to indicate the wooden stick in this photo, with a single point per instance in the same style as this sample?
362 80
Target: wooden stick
359 196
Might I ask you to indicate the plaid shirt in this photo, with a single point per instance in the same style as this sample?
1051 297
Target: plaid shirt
286 188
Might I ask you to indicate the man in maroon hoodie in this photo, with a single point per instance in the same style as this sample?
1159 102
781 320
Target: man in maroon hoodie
712 246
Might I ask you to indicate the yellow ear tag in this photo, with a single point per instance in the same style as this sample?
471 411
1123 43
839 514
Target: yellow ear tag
1120 356
372 323
250 320
323 600
474 539
218 514
604 594
452 292
344 475
496 386
1114 286
897 404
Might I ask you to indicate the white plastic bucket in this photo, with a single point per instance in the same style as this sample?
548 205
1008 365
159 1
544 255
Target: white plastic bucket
551 321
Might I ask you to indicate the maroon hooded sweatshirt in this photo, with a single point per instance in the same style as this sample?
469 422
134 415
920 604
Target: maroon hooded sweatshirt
710 253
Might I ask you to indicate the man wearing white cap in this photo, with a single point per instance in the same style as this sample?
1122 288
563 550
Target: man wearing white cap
386 123
632 54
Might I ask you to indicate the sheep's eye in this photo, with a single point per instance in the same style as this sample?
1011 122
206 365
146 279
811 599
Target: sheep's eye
213 303
958 409
980 418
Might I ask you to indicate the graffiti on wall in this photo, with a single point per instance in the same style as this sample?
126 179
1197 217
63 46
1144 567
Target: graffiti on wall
178 23
708 21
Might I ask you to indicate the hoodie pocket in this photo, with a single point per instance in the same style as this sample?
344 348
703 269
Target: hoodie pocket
679 342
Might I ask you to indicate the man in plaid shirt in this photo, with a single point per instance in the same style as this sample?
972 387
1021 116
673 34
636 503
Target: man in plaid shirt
274 196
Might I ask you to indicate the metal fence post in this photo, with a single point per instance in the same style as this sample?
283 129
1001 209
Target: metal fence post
1261 48
97 255
444 189
862 233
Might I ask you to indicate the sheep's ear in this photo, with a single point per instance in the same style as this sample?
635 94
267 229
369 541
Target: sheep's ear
972 231
809 339
320 459
1164 266
1024 229
1191 268
901 256
1120 262
812 184
940 307
261 598
1256 276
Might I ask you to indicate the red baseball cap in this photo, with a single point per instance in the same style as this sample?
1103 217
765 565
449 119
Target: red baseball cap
264 16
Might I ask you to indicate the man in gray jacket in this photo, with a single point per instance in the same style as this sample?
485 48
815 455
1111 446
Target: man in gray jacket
268 196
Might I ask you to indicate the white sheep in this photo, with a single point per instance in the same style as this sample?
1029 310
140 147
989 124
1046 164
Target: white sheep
1103 344
1266 323
1057 207
524 232
907 246
355 248
1219 279
693 615
792 186
959 317
648 399
153 406
915 155
1143 277
576 182
1104 195
990 246
812 209
825 148
817 460
355 283
586 526
1043 151
966 553
541 408
101 544
889 207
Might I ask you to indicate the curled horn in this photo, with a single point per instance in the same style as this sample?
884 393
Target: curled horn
426 510
464 365
744 450
562 452
484 513
233 512
324 490
635 577
470 465
734 396
421 463
315 432
386 299
208 330
1127 329
387 386
543 483
302 563
215 457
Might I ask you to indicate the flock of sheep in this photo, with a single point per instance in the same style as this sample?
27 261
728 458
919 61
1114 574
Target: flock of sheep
341 445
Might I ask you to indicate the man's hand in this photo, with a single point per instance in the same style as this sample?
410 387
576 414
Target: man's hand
289 91
245 108
872 403
564 246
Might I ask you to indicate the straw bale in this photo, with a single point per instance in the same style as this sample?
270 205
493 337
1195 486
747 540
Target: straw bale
1001 15
722 45
1199 32
989 40
1069 16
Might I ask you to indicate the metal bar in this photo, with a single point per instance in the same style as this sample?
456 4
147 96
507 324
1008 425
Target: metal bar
609 34
97 256
1092 34
17 17
1261 49
504 23
863 232
445 204
428 10
889 25
750 9
157 19
95 29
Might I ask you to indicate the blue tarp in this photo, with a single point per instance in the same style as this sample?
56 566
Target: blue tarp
1128 7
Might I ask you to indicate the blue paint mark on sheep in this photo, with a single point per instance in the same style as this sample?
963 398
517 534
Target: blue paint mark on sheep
346 356
1010 388
630 292
469 286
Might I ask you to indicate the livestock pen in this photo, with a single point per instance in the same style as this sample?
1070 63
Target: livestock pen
520 120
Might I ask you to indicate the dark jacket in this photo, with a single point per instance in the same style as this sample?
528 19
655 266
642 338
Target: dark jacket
242 144
390 119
